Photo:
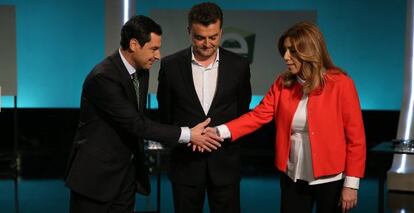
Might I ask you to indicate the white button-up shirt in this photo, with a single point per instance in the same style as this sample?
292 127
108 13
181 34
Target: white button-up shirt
205 80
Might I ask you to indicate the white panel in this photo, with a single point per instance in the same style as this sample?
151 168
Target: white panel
8 70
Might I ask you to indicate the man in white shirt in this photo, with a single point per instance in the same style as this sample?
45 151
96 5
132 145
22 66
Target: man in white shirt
203 81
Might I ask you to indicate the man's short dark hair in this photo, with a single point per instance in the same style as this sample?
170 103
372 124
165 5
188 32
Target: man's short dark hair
138 27
205 13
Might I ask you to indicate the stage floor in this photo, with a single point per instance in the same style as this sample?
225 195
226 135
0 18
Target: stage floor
259 193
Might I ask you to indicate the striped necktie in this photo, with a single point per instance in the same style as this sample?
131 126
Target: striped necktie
135 81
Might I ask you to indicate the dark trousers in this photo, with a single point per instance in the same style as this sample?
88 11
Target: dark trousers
124 202
300 196
221 199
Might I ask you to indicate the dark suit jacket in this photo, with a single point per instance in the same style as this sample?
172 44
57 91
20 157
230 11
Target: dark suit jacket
179 105
110 132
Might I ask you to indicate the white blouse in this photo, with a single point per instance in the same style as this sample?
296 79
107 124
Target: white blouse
300 160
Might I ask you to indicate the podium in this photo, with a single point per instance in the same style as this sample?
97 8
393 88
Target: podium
154 151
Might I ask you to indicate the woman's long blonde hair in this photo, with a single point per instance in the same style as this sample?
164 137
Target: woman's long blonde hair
310 47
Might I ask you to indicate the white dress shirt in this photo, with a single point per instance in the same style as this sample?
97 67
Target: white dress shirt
205 80
185 135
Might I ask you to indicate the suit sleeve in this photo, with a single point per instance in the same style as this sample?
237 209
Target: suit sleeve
109 97
354 130
260 115
164 96
244 91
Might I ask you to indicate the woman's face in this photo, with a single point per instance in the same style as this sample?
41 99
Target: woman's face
292 61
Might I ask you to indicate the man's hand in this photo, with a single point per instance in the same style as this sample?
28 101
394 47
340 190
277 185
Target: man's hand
203 140
348 199
207 130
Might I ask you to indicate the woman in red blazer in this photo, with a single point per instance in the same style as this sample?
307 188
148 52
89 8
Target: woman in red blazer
320 142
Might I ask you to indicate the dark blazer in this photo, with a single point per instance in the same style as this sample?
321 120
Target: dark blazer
180 106
110 132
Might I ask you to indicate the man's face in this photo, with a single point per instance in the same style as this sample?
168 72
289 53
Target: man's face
205 39
144 56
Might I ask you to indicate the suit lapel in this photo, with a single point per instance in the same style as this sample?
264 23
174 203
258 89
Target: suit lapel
185 68
143 76
125 78
222 74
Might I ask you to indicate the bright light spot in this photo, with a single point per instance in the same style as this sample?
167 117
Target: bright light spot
126 10
401 168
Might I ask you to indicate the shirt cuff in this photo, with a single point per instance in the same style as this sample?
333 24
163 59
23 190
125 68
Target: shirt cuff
185 135
223 131
351 182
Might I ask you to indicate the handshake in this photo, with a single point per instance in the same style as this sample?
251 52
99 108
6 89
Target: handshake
204 138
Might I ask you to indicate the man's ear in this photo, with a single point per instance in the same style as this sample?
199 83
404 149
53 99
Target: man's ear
134 45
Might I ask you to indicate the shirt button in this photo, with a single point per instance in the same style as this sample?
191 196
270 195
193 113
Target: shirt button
312 133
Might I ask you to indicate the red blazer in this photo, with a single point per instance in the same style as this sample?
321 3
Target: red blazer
336 129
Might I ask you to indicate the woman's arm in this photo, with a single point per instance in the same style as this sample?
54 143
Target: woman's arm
260 115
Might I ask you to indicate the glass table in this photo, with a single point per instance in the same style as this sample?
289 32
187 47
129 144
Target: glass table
390 147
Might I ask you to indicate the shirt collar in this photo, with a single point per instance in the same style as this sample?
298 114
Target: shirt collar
195 61
300 80
128 66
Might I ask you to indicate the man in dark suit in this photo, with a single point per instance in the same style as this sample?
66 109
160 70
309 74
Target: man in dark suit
203 81
106 166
